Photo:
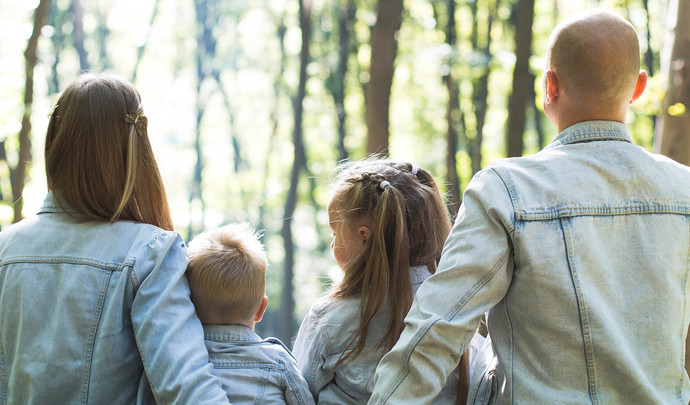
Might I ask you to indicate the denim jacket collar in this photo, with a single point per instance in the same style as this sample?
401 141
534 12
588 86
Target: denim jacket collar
418 274
588 131
54 203
230 333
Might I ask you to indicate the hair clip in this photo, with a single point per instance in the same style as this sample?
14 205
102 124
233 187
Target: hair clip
139 121
132 118
384 183
52 110
413 170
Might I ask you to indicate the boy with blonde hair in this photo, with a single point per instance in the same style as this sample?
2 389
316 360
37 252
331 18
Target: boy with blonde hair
227 278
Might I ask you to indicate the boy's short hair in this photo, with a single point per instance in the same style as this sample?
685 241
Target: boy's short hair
227 274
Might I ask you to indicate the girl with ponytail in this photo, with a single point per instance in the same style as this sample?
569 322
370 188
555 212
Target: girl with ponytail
389 225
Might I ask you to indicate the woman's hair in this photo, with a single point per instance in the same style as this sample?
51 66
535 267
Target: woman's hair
227 274
409 224
98 156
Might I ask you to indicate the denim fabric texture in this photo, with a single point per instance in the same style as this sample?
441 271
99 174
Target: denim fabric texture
254 370
326 332
581 255
93 312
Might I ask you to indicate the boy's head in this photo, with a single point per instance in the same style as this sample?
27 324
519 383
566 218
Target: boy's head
227 275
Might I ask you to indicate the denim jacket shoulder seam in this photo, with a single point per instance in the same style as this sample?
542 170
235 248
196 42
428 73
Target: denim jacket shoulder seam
160 234
277 342
291 382
512 194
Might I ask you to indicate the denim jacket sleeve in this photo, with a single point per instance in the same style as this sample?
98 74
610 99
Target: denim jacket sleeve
309 350
167 331
297 390
473 275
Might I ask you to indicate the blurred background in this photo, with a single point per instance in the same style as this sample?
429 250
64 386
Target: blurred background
252 103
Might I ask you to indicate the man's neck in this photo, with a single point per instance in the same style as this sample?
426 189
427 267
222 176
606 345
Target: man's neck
562 126
568 119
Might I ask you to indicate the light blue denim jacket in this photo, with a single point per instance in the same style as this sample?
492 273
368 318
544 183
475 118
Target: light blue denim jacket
254 370
326 332
93 312
581 253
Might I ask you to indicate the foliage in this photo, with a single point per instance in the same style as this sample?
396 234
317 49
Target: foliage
248 57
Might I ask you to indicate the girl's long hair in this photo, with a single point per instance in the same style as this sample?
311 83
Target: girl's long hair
409 224
98 156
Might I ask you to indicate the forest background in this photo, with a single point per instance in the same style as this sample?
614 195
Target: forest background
252 103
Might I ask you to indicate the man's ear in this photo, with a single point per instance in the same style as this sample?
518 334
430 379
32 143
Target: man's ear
260 313
551 88
639 86
364 233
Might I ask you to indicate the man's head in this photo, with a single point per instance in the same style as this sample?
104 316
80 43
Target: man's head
593 68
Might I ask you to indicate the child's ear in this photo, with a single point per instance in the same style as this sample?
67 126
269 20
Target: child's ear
260 313
364 233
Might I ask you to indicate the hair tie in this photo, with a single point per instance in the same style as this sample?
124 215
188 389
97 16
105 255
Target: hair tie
413 170
384 183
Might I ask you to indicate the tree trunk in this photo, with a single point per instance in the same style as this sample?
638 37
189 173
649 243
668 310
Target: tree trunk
288 327
649 56
142 47
517 102
346 16
238 162
206 47
278 84
673 138
101 34
78 35
649 53
57 21
452 115
384 47
18 175
195 193
537 115
480 91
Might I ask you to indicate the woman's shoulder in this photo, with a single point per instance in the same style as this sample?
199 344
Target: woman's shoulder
142 231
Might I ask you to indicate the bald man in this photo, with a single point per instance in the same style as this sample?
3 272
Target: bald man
579 255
